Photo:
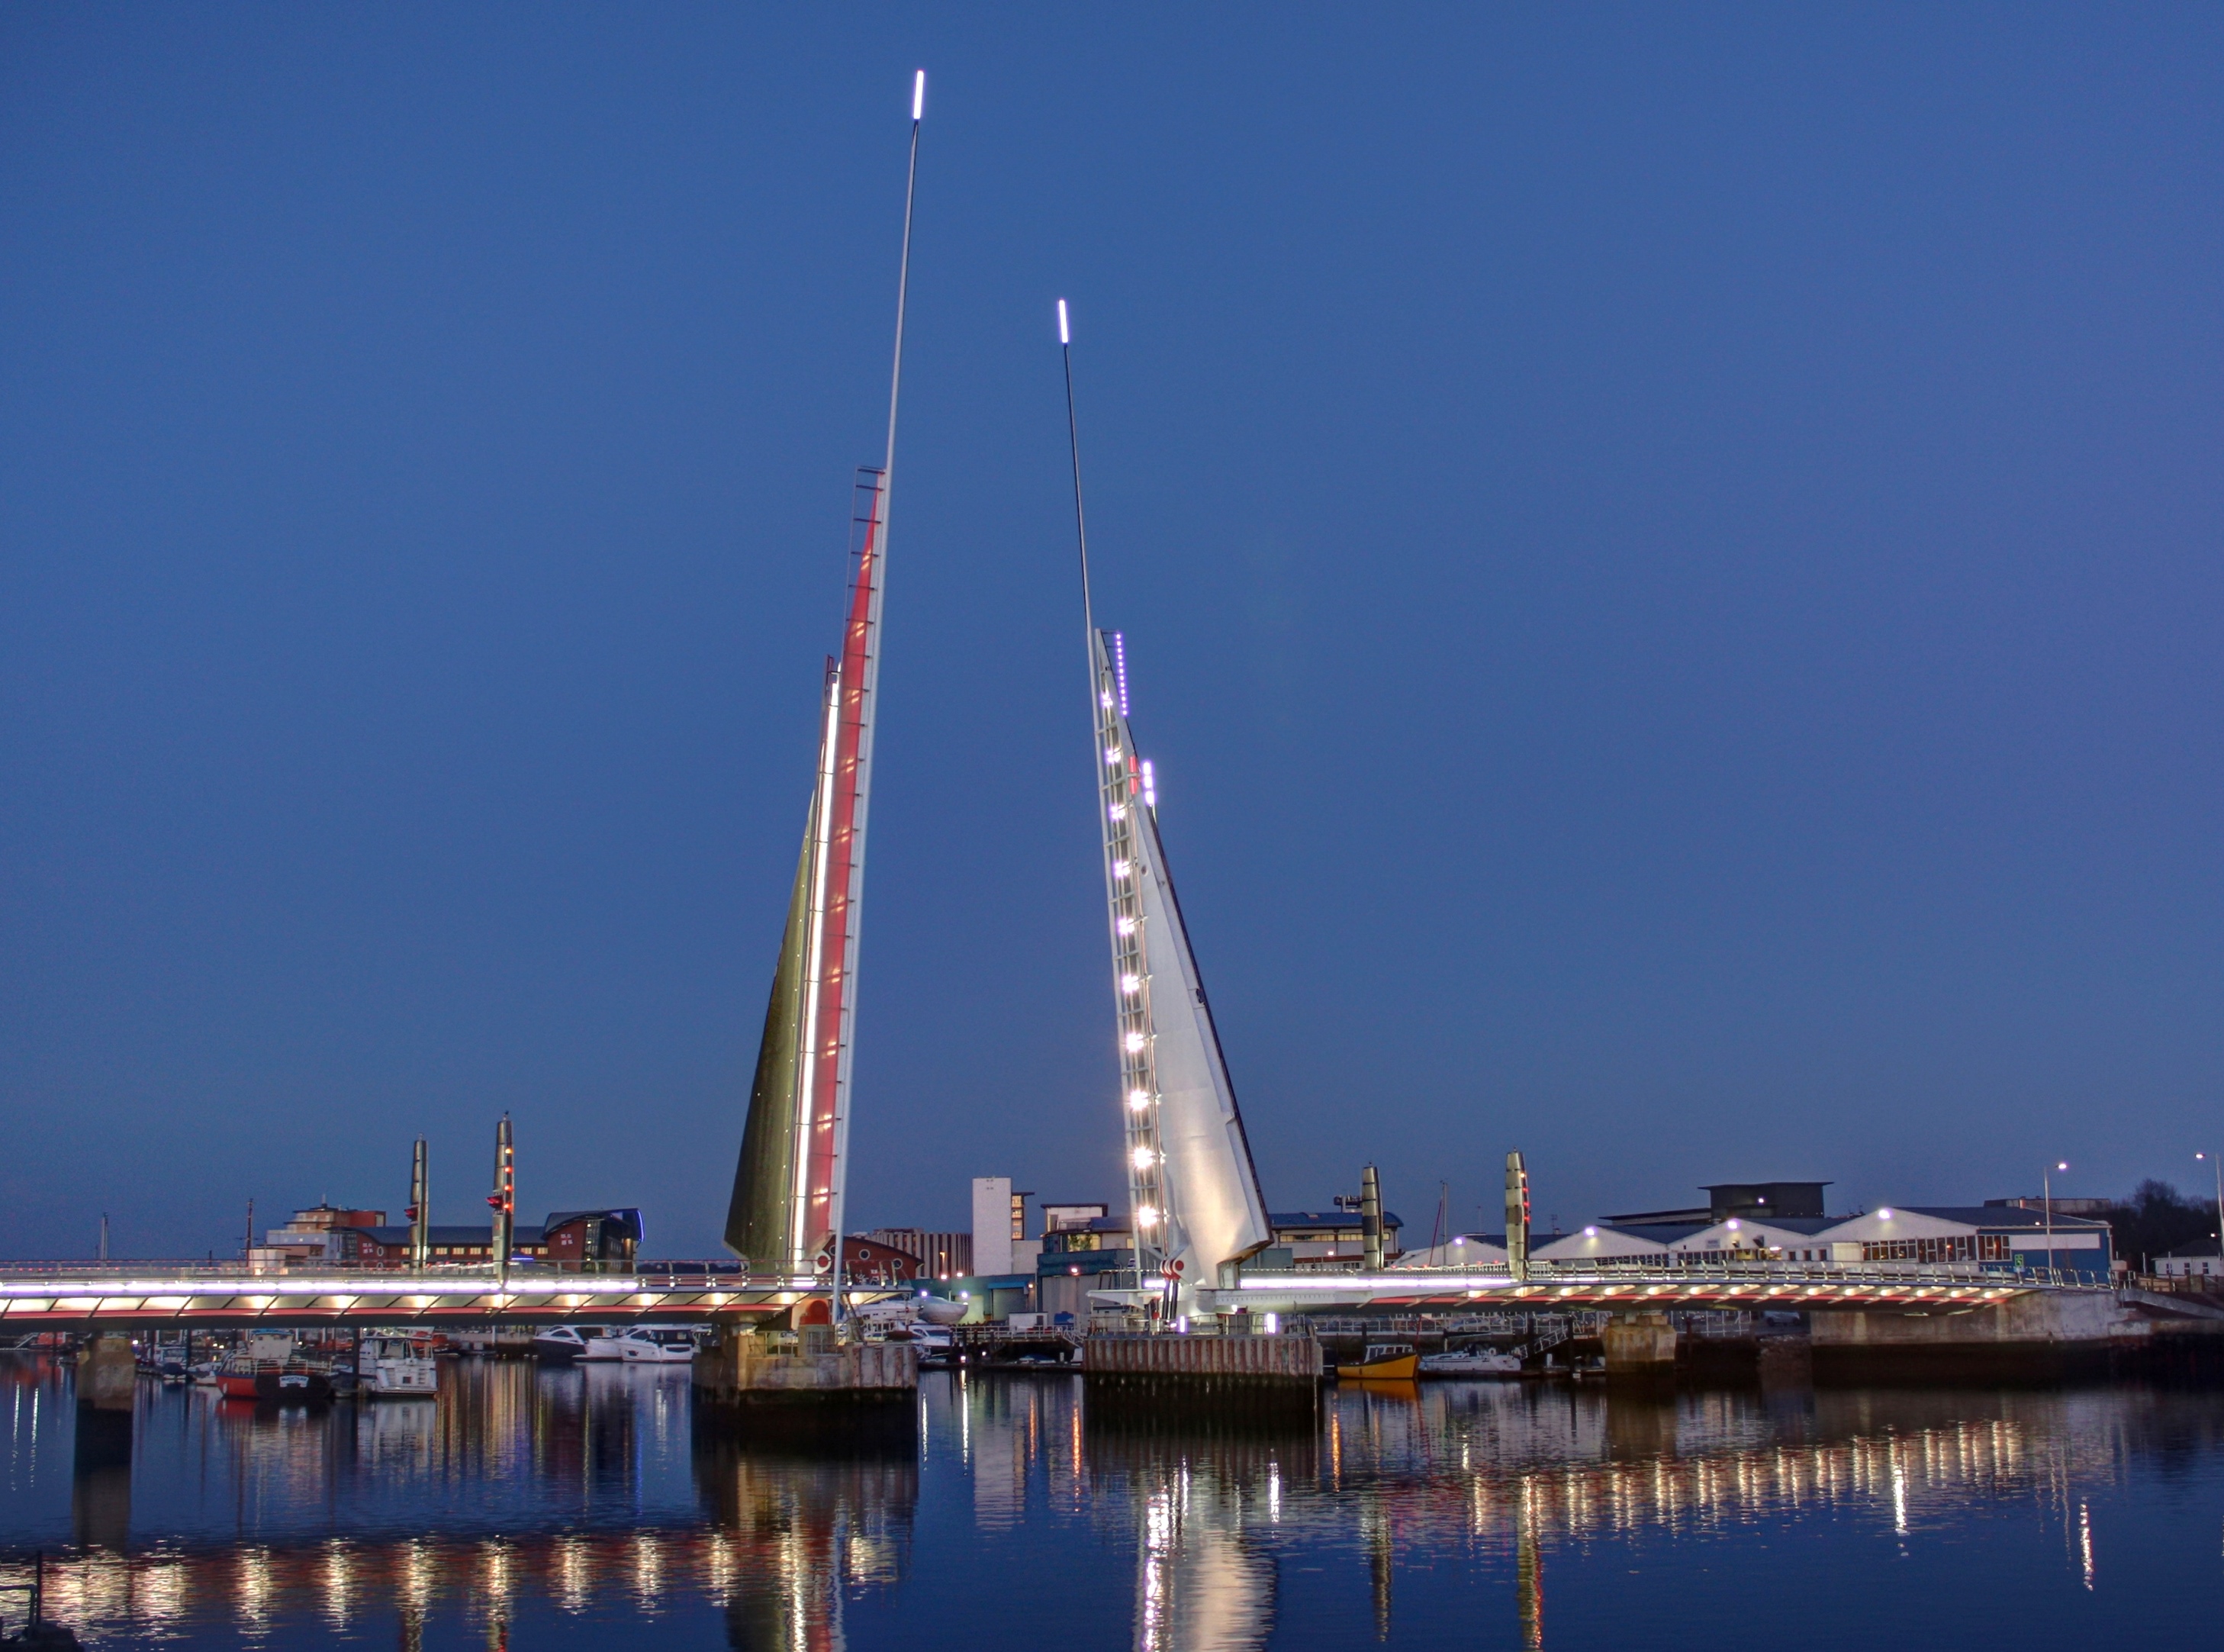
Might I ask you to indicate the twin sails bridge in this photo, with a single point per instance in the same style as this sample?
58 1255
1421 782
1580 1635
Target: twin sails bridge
1194 1201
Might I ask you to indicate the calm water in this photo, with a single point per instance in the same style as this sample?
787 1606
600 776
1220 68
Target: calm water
561 1508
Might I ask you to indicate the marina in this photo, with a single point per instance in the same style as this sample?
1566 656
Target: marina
1673 613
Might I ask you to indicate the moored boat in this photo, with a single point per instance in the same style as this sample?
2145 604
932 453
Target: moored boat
566 1345
1384 1362
397 1367
655 1344
273 1382
1471 1362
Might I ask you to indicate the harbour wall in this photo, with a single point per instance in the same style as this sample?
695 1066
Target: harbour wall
1114 1359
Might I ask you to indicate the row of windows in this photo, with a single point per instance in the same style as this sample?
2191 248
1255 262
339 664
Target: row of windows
1958 1247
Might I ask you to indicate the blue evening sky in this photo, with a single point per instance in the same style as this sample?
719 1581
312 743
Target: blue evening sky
1670 558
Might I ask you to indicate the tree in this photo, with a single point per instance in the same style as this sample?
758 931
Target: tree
2157 1217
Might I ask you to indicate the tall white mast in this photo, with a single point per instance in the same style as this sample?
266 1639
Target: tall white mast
1192 1193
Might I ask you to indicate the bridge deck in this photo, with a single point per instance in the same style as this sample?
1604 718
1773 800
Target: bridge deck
1751 1286
206 1298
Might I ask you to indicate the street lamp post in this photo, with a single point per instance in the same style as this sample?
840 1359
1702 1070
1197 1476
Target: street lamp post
2046 1198
2217 1164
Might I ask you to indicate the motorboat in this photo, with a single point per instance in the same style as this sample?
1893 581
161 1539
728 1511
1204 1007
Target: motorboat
937 1344
273 1382
391 1367
655 1344
1472 1362
568 1345
1383 1362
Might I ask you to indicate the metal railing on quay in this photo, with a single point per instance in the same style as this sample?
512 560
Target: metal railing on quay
1857 1273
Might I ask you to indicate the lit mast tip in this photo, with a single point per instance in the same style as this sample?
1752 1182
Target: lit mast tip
918 95
1065 332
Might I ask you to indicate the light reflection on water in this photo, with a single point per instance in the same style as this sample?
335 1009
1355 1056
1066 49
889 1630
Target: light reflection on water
557 1505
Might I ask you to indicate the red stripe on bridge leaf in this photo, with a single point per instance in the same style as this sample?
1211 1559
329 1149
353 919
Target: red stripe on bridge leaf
820 1169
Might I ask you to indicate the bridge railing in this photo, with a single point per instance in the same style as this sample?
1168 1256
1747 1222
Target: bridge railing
655 1275
1653 1273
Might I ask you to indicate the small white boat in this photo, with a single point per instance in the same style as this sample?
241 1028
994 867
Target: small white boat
937 1344
1472 1362
655 1344
397 1368
566 1345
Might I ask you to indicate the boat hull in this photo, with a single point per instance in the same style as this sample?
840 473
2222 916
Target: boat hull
1495 1365
1400 1368
277 1386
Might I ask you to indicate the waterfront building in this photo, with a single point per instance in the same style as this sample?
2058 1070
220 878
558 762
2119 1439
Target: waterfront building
873 1261
324 1233
1462 1250
1623 1241
1749 1238
2195 1260
573 1239
2006 1235
1332 1241
1763 1200
939 1256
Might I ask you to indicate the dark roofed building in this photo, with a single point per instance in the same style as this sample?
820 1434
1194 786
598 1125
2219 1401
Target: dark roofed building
1330 1240
1761 1201
579 1240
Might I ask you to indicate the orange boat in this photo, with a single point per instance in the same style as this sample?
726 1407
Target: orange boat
1384 1362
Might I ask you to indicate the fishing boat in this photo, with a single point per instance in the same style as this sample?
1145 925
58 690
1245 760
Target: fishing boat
1472 1362
273 1382
1383 1362
395 1367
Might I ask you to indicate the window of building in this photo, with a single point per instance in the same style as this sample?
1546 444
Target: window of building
1953 1247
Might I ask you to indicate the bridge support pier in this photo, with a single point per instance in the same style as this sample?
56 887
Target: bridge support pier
1641 1347
748 1384
108 1377
100 1486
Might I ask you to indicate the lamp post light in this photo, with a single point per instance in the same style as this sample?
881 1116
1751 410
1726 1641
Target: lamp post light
2216 1163
2046 1198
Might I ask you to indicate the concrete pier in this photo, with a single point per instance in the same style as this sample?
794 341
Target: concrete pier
107 1373
100 1490
1112 1358
749 1370
1641 1346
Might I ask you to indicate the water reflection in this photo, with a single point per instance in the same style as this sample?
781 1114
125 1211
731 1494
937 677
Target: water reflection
798 1532
1203 1490
579 1502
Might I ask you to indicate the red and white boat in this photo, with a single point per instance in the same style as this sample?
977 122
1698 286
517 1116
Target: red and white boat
272 1375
